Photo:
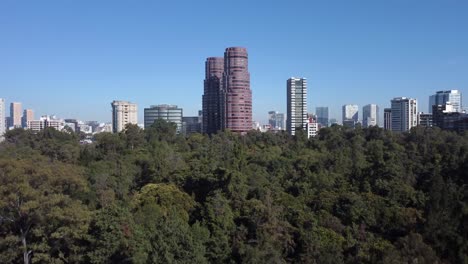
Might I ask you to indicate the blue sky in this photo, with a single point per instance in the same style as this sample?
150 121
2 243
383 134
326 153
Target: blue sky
73 57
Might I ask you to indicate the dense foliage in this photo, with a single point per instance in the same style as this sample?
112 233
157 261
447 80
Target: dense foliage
151 196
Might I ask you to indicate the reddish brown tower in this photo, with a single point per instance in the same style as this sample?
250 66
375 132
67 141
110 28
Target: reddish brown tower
236 90
213 97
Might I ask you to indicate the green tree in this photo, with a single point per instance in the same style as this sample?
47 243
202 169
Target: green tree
163 212
40 213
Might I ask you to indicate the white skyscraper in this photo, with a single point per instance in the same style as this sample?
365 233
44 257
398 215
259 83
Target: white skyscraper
123 113
404 114
2 119
296 104
443 97
351 112
370 115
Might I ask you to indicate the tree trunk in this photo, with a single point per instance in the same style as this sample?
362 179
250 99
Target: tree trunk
25 249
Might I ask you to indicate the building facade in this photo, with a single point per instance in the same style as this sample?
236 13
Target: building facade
169 113
445 117
404 114
424 119
388 119
212 99
2 119
370 115
272 119
236 90
322 115
276 120
280 121
350 112
312 128
453 97
296 104
28 115
46 121
15 115
191 125
123 113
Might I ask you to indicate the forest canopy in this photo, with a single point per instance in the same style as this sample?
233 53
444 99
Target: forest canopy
152 196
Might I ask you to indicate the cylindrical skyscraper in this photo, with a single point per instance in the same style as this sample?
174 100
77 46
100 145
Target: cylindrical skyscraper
212 96
236 89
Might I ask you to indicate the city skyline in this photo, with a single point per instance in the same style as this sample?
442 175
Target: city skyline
392 49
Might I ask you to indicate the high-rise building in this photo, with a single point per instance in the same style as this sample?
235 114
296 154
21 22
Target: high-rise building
443 97
123 113
212 99
370 115
388 119
296 104
272 119
236 91
2 119
322 115
15 115
424 119
350 112
28 115
169 113
191 125
280 121
404 114
276 120
445 117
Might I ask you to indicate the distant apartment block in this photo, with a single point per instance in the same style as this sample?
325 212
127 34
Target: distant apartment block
169 113
46 121
446 117
388 119
296 104
28 115
322 115
276 121
15 115
404 114
349 123
191 125
350 112
370 115
123 113
312 128
453 97
103 128
424 119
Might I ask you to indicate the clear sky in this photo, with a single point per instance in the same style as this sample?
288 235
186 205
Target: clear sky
73 57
